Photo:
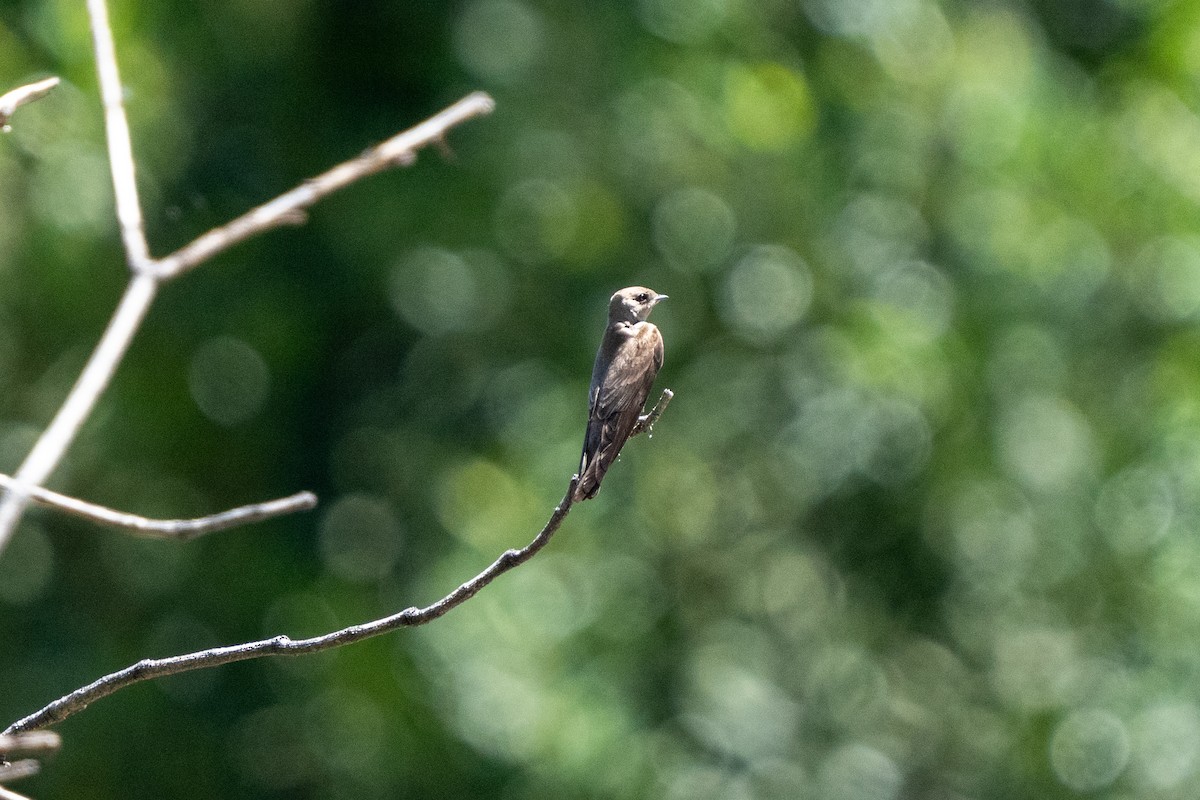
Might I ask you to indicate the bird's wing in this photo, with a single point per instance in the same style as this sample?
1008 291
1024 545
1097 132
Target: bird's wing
617 399
631 372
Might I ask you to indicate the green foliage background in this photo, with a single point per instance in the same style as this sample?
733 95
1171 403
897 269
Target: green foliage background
922 522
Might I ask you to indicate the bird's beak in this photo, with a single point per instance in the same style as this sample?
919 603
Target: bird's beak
658 298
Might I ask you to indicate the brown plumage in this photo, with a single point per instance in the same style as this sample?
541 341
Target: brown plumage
629 358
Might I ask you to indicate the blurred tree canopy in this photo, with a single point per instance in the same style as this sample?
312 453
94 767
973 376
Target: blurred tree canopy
922 522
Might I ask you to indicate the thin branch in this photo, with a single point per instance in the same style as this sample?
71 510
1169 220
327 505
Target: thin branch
120 148
398 150
50 447
16 770
152 668
645 423
181 529
11 100
35 743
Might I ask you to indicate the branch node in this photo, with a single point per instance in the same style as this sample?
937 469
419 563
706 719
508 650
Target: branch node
443 147
16 770
404 158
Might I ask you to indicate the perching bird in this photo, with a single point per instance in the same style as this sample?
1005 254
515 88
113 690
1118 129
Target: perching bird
630 356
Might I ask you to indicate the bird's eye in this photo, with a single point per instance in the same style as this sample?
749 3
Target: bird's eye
643 297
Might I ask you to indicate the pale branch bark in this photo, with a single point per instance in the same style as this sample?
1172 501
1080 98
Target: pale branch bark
16 770
120 147
33 743
149 274
11 100
400 150
645 423
282 645
180 529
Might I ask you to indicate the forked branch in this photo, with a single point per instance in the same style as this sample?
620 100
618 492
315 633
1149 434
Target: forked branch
151 668
149 274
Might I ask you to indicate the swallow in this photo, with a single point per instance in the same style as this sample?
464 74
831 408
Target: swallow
630 356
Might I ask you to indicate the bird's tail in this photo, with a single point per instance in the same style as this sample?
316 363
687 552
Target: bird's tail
590 475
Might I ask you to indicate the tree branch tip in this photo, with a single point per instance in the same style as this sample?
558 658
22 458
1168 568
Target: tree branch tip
16 770
41 742
483 100
12 100
645 423
178 530
305 501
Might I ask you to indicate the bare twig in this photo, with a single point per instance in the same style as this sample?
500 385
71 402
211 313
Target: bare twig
151 668
399 150
12 100
120 148
645 423
35 743
149 274
181 529
16 770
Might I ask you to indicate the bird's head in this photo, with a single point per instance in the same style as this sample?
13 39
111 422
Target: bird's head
633 304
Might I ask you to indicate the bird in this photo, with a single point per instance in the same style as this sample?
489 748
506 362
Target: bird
629 358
